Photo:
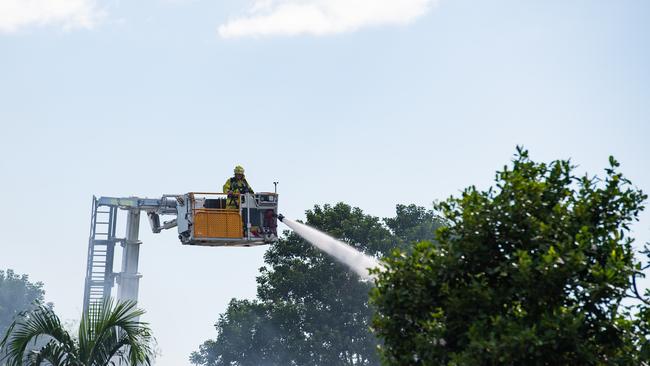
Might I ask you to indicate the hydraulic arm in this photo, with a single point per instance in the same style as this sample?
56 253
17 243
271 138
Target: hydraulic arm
201 218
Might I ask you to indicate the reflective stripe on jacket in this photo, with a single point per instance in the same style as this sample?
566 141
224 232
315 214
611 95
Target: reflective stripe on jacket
235 185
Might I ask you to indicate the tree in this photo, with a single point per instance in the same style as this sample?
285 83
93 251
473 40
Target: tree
112 332
531 272
310 310
17 294
412 224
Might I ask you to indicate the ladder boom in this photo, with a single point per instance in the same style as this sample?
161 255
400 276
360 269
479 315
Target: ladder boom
205 219
100 277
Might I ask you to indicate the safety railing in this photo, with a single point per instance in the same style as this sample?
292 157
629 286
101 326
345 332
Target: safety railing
217 217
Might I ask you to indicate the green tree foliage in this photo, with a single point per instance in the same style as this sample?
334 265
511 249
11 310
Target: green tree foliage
532 272
109 334
413 224
311 310
17 294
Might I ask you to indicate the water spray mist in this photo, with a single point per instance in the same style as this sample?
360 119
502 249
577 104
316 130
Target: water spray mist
354 259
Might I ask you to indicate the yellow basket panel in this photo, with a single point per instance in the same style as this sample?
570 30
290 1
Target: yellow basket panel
216 223
200 224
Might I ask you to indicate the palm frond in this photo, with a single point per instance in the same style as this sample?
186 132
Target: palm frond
112 332
42 322
52 352
115 331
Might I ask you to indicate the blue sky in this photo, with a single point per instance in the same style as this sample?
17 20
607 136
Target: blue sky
370 103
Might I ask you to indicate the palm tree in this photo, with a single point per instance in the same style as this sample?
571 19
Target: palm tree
111 334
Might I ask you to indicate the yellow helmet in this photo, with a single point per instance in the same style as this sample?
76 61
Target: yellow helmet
239 169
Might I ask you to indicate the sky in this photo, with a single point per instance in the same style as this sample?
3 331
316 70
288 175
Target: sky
369 102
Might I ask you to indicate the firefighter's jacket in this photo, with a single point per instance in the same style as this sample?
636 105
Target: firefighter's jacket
235 185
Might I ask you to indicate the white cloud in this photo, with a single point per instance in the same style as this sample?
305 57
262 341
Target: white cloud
19 14
321 17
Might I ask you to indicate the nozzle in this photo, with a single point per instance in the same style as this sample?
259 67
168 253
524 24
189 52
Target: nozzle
280 217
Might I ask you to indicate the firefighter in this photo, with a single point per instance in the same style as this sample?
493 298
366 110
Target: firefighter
235 186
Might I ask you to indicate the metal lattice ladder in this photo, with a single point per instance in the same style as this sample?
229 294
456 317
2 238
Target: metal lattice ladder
101 250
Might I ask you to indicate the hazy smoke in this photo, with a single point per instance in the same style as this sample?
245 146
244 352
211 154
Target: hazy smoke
357 261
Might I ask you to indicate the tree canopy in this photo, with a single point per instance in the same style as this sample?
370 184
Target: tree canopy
17 294
533 271
311 310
